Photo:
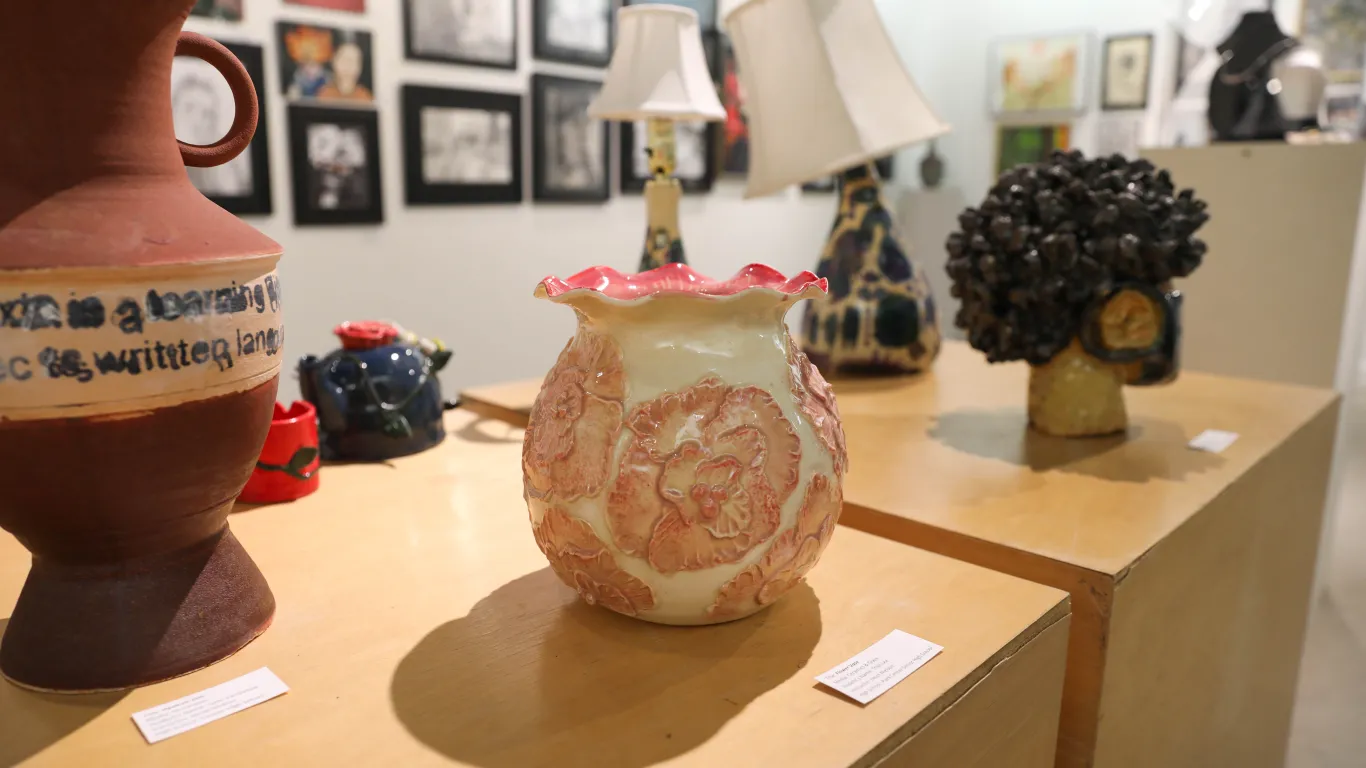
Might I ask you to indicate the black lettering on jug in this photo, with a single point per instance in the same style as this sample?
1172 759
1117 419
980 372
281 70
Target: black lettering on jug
221 354
273 291
128 315
17 368
126 361
259 298
85 313
200 352
64 363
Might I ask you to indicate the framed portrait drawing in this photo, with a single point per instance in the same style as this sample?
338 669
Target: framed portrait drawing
694 156
461 146
476 33
1127 61
325 63
1039 75
706 9
568 148
334 154
202 108
1021 144
573 31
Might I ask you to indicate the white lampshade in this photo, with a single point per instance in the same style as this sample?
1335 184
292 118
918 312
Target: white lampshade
824 90
658 68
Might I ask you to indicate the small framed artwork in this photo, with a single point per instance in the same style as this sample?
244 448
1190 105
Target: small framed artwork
706 9
1039 75
335 159
350 6
573 31
1128 60
461 146
225 10
694 156
568 148
325 63
476 33
1342 110
1188 56
202 108
735 130
1022 144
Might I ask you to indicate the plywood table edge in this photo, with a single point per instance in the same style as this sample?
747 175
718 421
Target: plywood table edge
1060 612
1329 409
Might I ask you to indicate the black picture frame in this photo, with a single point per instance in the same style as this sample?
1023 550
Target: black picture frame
542 48
540 188
410 51
1107 101
633 184
259 201
303 117
706 9
417 190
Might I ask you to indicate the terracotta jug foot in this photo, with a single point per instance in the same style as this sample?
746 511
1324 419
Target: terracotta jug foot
88 628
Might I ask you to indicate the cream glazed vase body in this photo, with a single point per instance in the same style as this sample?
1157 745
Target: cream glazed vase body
683 462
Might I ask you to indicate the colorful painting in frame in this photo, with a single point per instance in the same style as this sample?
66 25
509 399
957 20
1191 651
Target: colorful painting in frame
1021 144
1040 75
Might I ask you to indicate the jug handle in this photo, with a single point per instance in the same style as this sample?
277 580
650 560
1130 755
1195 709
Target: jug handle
243 96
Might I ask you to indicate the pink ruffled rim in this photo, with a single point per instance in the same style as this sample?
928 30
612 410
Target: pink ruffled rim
680 279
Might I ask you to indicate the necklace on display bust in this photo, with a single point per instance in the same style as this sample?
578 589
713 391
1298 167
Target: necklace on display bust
1271 53
1246 99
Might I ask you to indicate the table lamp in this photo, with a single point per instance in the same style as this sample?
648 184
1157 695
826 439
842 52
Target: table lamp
659 74
826 94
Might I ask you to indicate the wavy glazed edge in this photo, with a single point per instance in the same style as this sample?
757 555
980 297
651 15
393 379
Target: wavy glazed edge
678 280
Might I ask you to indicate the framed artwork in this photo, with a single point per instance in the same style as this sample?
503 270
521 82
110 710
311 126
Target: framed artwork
461 146
477 33
706 9
1128 60
334 155
1337 29
735 130
227 10
694 155
202 108
1039 75
568 148
350 6
1188 56
1021 144
325 63
573 31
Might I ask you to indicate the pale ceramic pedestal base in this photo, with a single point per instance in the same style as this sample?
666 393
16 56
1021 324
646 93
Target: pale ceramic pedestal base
1076 395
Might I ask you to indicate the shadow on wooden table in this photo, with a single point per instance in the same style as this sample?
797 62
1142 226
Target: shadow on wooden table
35 721
534 676
1151 449
486 430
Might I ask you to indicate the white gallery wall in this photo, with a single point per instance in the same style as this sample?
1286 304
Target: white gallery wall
465 274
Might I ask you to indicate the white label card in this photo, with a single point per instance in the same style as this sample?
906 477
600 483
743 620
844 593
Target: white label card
886 663
1214 441
187 713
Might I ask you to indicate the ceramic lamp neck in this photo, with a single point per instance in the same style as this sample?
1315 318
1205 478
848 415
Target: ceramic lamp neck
663 242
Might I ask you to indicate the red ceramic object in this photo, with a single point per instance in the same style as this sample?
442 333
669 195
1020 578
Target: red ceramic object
677 278
365 334
288 467
140 333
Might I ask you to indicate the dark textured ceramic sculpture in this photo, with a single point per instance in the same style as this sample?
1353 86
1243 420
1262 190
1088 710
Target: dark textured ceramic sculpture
377 397
1068 265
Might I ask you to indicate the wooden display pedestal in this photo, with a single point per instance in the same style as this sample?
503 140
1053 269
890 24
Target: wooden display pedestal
1189 572
418 624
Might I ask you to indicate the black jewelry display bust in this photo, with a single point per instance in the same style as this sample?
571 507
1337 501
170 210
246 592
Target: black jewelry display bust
1242 98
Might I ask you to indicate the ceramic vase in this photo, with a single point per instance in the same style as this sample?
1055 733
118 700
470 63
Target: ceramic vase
880 316
378 396
931 168
684 459
140 332
288 466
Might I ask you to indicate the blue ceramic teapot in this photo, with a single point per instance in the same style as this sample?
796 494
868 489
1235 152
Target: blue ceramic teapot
378 396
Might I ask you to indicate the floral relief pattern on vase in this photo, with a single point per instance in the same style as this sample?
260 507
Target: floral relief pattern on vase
567 452
582 561
704 477
816 401
792 554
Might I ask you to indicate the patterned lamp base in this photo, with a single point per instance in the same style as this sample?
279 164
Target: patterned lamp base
879 317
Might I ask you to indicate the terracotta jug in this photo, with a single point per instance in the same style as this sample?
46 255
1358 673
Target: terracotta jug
140 333
684 459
